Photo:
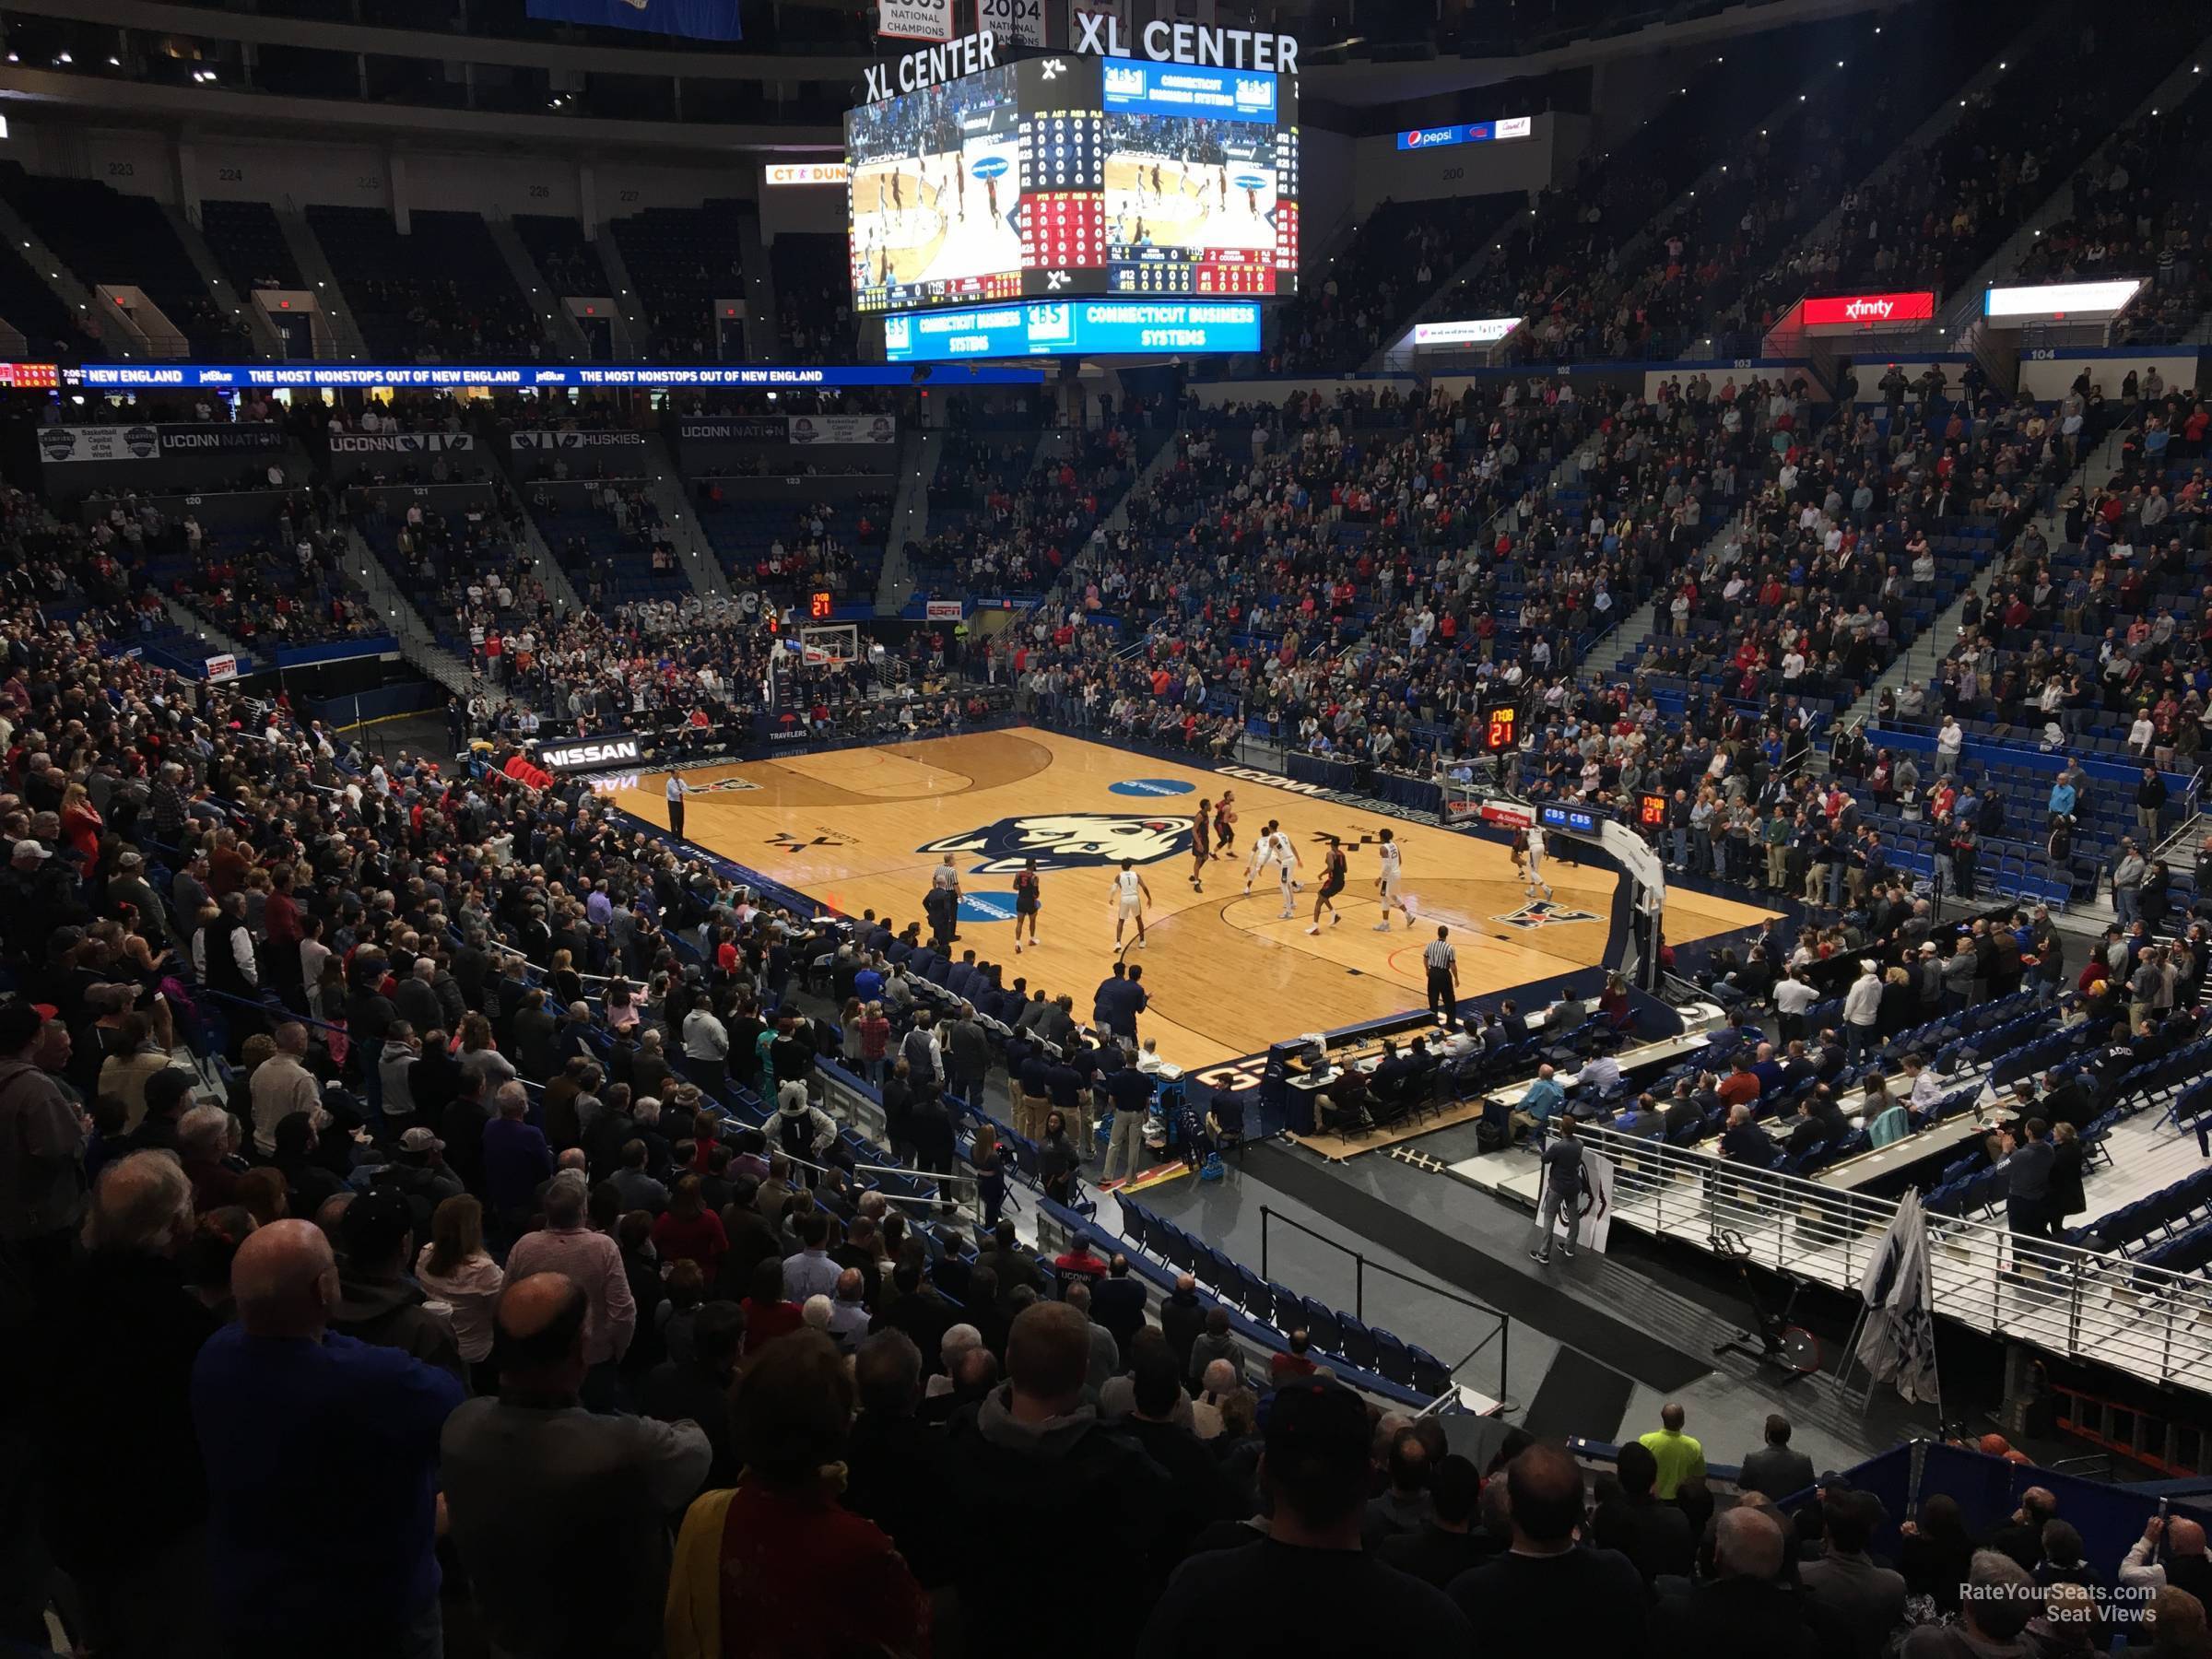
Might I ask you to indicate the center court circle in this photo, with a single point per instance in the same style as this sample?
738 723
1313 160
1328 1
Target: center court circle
986 907
1151 786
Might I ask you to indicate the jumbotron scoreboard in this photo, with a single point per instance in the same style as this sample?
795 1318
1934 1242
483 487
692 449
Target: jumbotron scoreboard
1071 174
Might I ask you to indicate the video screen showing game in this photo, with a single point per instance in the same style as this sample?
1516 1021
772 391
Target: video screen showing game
1200 182
935 194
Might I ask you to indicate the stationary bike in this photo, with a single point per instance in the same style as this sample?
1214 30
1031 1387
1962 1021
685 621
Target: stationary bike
1791 1350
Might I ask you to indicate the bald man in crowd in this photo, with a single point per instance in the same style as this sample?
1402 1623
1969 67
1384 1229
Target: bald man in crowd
1745 1611
322 1459
533 1478
2186 1567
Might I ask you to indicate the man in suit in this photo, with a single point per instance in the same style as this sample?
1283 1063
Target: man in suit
1117 1301
1774 1471
1867 1602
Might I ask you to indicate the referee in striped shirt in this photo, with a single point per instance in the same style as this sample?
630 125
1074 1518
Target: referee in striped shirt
1443 962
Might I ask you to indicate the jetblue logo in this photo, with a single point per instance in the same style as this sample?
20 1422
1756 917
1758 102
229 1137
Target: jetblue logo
1067 840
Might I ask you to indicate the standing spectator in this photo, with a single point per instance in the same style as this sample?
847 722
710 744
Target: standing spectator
1745 1611
377 1301
532 1479
126 1499
1774 1471
295 1420
1449 1542
1680 1456
1117 1301
1031 1459
1518 1599
1862 1011
1656 1537
42 1135
1866 1601
2000 1599
456 1269
516 1162
839 1585
1307 1586
594 1262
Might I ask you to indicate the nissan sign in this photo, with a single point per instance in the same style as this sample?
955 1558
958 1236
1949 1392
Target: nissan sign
591 754
1867 310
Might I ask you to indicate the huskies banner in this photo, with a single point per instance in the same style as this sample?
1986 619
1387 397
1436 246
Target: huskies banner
1594 1225
693 19
400 443
576 441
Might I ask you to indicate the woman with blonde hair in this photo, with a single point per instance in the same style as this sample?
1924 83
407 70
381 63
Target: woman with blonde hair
456 1269
81 825
566 982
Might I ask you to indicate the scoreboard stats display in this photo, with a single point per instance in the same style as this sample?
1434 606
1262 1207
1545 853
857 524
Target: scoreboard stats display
1069 175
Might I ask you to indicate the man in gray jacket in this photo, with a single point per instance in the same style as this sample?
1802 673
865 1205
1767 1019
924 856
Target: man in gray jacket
532 1477
1774 1471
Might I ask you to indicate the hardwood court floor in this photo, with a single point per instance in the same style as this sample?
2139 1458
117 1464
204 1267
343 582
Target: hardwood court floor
861 829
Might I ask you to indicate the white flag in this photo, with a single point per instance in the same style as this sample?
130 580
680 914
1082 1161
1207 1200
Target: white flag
1898 1343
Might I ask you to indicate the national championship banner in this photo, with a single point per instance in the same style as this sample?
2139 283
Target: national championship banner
693 19
914 19
400 443
843 428
576 441
98 442
1020 21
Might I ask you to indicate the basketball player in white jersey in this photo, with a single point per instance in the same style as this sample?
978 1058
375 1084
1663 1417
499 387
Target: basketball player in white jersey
1386 884
1262 853
1128 895
1536 864
1286 858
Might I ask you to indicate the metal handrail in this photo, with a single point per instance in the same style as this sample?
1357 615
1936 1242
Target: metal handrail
2148 1321
1501 1334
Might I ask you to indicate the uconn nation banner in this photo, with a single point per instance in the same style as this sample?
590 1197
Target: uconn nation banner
695 19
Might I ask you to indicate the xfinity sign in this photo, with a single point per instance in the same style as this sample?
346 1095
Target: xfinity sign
591 754
1867 311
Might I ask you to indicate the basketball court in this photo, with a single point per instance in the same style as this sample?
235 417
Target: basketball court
862 828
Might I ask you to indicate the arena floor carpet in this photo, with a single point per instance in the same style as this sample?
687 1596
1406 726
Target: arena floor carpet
862 828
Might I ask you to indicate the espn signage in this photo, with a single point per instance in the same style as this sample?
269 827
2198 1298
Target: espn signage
1470 331
591 754
1867 310
1467 132
2059 301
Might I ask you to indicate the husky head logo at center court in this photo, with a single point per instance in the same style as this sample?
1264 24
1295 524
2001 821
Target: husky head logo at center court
1068 841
